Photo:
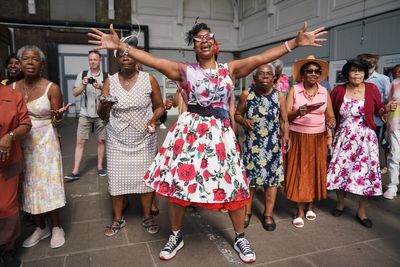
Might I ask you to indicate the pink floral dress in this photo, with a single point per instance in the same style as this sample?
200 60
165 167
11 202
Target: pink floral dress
354 166
199 161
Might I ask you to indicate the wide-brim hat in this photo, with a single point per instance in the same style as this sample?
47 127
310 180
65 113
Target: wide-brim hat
299 63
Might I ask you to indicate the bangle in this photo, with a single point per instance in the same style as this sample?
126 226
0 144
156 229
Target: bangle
125 53
287 47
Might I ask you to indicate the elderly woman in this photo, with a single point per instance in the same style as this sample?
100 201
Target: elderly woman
281 80
13 70
43 188
131 138
199 162
262 113
310 114
354 166
14 124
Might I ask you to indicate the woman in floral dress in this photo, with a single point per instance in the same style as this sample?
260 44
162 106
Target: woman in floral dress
354 166
262 113
199 161
42 185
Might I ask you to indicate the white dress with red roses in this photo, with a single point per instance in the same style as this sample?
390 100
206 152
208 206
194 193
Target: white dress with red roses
355 161
199 161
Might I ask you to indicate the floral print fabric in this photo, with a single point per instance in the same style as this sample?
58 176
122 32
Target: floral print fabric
199 160
262 154
355 161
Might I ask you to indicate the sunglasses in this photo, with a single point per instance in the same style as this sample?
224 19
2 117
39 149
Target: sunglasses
206 37
311 71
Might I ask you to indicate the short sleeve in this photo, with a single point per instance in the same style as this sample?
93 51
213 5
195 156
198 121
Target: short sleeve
78 81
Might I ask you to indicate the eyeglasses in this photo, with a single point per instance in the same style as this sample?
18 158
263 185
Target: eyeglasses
262 74
311 71
206 37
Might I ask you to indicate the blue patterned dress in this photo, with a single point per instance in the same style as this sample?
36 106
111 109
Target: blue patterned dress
262 153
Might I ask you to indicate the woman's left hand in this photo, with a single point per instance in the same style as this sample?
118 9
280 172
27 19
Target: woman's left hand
331 123
151 126
286 143
5 147
305 38
61 111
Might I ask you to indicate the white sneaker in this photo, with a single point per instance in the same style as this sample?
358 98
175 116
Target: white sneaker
38 235
389 194
57 237
162 126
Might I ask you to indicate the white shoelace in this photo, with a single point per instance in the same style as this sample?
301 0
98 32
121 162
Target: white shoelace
244 246
171 243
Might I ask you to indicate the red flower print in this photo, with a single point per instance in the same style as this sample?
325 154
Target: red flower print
146 176
157 173
206 175
191 138
219 194
227 123
166 160
172 189
237 147
185 129
357 167
186 172
173 171
192 188
155 185
178 146
200 148
204 93
164 188
202 129
162 150
188 87
214 80
172 129
242 194
204 164
227 178
220 150
213 122
222 72
228 86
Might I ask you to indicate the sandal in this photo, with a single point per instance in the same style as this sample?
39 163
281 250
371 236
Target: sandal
310 215
114 228
150 225
298 222
247 218
269 226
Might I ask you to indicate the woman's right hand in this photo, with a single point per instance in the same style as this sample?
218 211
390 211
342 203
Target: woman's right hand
5 146
104 40
248 124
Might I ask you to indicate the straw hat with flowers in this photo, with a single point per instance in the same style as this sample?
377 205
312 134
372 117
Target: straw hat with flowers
299 63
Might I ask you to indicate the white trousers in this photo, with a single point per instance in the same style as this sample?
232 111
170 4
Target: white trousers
393 160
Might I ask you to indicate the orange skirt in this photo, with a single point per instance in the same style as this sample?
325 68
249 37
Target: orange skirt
306 163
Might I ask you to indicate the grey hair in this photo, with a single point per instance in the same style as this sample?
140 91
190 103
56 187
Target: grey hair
267 64
31 47
277 63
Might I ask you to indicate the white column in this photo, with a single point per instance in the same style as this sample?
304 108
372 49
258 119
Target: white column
111 10
31 7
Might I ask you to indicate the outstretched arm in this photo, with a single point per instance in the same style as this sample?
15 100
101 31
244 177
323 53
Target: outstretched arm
243 67
111 41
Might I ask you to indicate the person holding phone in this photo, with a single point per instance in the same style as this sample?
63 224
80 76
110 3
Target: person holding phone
311 117
262 113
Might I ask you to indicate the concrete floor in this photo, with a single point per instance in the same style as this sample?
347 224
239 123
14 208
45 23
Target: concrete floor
327 241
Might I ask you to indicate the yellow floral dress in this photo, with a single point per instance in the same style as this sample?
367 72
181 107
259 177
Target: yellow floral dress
262 153
43 187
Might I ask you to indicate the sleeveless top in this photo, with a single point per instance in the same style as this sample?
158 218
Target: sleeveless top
208 88
134 107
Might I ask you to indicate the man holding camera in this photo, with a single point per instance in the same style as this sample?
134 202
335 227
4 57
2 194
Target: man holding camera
88 85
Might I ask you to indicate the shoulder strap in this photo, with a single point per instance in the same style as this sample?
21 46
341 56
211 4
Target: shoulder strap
13 85
48 87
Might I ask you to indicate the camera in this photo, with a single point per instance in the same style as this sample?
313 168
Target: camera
91 80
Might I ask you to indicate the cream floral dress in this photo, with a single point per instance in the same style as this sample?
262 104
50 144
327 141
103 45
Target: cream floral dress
43 187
